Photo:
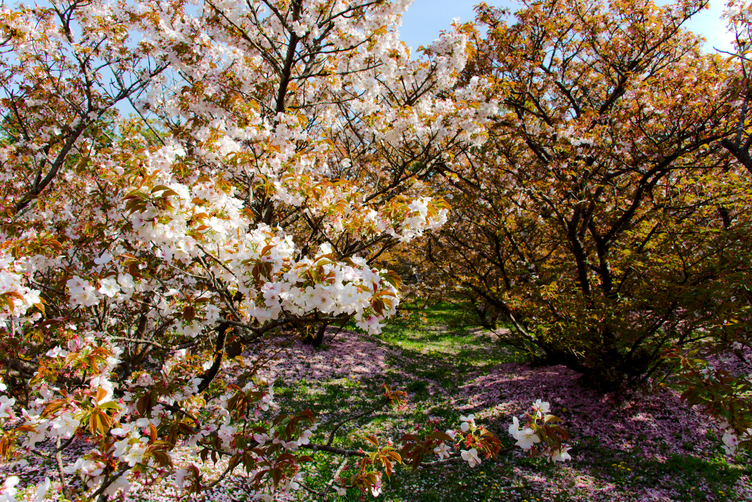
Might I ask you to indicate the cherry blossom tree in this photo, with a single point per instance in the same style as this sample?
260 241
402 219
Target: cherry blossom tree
275 149
609 224
717 373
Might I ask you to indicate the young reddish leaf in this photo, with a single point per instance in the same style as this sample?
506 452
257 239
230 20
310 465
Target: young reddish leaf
441 435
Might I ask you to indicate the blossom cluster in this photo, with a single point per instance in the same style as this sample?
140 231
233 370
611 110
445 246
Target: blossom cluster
537 435
731 439
238 422
16 297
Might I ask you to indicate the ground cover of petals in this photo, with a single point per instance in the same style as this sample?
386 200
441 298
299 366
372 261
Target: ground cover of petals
635 446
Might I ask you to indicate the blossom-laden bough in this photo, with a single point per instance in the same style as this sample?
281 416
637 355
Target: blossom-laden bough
139 432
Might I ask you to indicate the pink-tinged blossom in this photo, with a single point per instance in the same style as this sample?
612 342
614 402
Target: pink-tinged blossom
8 489
376 487
369 324
541 407
305 437
103 389
468 422
88 470
57 351
42 489
261 438
121 431
730 443
227 435
109 287
133 451
64 425
120 447
442 451
144 380
419 206
120 483
18 297
180 477
514 427
471 457
6 407
562 455
103 259
525 437
125 281
82 293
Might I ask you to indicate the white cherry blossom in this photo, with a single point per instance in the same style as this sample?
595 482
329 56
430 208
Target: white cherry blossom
471 457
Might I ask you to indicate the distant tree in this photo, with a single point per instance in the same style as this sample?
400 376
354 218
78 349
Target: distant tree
739 16
601 222
717 374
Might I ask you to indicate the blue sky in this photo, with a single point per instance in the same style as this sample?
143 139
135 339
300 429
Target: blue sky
426 18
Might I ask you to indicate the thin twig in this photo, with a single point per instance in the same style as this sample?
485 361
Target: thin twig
334 478
338 451
229 469
59 458
311 490
108 480
354 417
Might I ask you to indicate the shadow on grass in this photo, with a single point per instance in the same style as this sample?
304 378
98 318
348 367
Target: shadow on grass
632 448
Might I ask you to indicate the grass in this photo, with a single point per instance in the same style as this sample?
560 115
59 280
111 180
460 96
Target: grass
450 367
433 352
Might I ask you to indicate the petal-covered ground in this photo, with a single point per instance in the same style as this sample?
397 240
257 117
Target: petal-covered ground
634 446
650 425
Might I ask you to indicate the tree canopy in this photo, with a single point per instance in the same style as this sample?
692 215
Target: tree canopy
279 150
